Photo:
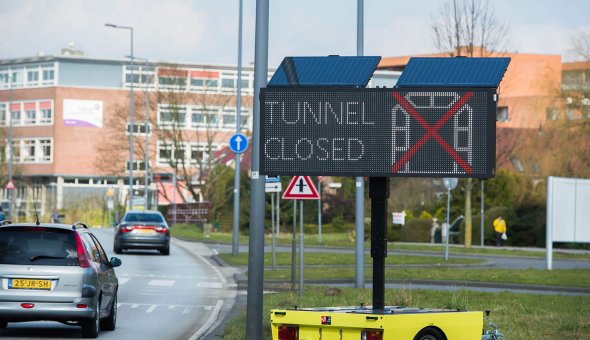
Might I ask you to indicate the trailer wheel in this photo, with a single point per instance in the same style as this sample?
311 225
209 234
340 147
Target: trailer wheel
430 333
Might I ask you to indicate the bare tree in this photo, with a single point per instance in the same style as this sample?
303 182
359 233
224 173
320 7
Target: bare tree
188 150
468 28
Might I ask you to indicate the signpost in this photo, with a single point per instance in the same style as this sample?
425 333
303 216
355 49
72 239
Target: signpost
450 184
300 188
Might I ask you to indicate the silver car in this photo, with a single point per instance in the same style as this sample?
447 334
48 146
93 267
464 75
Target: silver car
142 230
56 272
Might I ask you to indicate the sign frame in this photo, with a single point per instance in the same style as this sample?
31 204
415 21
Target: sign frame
289 195
486 153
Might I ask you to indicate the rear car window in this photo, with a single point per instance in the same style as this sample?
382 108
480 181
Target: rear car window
38 246
142 217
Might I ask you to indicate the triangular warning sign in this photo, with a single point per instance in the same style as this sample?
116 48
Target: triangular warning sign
301 188
10 185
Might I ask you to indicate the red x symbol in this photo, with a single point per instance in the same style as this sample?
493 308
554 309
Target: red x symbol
431 132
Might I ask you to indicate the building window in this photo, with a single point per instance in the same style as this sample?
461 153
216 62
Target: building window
15 115
46 116
17 78
172 115
139 128
4 78
31 150
228 83
33 77
170 153
229 117
3 114
27 113
517 164
502 114
28 150
45 148
138 165
551 113
164 153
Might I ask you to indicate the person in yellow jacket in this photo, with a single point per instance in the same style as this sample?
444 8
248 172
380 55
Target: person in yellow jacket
500 229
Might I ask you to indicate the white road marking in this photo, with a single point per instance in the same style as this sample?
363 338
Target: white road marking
151 309
122 281
134 305
162 283
209 322
209 285
187 310
119 305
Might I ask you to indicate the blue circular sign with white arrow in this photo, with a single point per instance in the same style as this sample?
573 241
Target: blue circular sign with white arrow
238 143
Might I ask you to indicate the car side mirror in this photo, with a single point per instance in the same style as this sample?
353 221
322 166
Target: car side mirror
115 262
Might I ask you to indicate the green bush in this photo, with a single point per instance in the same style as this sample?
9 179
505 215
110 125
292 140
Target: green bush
416 230
425 214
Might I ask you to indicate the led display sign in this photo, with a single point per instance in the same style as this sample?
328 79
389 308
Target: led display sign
378 132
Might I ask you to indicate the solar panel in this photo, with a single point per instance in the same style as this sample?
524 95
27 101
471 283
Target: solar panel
331 71
453 72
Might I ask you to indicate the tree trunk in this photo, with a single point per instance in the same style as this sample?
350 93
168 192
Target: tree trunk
468 217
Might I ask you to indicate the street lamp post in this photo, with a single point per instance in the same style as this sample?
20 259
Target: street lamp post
146 123
9 115
131 107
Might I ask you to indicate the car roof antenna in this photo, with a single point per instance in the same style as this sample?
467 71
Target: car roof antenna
36 212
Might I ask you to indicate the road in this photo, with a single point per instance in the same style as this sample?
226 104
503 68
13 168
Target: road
180 296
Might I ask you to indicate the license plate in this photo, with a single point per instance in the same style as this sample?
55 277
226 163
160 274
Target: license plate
145 231
29 284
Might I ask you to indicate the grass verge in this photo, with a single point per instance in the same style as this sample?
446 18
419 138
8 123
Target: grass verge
520 316
559 277
329 259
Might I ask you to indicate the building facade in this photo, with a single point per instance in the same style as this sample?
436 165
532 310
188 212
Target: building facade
59 112
69 120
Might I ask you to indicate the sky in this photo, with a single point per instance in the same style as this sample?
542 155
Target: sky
206 31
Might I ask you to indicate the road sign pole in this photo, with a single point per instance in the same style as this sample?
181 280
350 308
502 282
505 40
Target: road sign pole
254 309
448 227
278 215
320 212
482 211
236 229
379 193
360 182
272 230
293 246
301 248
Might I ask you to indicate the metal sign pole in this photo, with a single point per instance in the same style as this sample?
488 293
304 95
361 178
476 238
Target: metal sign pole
254 309
272 228
293 245
236 227
379 193
278 215
482 211
320 211
448 227
360 182
301 248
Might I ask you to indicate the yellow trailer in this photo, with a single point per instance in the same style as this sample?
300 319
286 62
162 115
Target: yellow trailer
391 323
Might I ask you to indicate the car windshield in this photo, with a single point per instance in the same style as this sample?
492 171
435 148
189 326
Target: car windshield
143 217
38 246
